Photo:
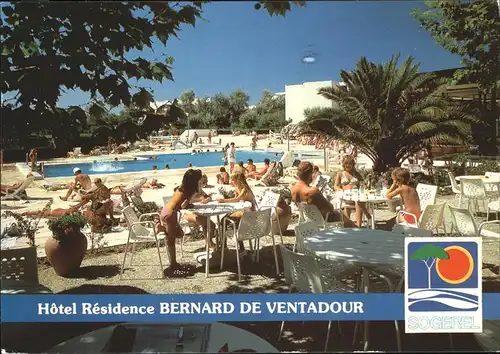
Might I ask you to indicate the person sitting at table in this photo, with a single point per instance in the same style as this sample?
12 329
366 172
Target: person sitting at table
409 196
346 180
303 193
82 182
262 172
169 214
243 194
223 176
201 197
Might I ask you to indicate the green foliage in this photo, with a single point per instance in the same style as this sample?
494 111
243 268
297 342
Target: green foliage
146 207
278 7
429 251
63 227
224 111
48 49
471 30
389 112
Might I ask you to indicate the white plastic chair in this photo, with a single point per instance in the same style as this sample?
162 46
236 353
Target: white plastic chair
253 225
474 190
466 224
14 194
303 274
140 232
430 219
492 188
270 201
321 182
493 206
310 212
455 188
427 194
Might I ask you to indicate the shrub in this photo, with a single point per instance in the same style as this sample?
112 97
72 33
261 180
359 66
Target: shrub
63 227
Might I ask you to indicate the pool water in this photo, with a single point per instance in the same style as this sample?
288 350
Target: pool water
204 159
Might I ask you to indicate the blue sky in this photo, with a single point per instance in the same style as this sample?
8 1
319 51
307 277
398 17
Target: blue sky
237 46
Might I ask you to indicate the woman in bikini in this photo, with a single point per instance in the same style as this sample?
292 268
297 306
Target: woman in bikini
346 180
201 197
243 194
169 214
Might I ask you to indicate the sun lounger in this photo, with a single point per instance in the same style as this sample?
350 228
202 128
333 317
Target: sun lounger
136 185
270 178
14 194
287 159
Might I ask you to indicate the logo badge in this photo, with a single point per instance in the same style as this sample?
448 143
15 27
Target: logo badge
443 285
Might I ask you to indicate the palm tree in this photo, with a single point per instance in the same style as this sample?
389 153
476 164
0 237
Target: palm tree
389 112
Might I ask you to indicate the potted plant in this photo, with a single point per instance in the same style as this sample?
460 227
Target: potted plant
66 248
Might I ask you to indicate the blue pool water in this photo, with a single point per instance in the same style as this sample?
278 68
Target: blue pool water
173 160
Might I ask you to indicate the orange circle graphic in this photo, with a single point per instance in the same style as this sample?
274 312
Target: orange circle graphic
457 268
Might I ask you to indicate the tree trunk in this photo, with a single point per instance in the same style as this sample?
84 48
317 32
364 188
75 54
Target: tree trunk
384 163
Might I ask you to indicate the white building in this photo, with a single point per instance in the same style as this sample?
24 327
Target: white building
302 96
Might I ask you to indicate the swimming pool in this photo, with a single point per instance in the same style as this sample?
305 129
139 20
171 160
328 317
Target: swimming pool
204 159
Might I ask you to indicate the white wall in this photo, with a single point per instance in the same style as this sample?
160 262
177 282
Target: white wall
302 96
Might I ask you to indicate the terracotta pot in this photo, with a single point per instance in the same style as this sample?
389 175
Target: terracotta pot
66 257
284 215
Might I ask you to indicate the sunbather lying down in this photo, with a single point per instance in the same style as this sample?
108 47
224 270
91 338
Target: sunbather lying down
54 213
153 184
99 223
5 188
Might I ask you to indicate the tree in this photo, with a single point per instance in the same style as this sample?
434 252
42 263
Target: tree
248 120
471 30
48 49
389 113
221 110
238 101
427 253
271 111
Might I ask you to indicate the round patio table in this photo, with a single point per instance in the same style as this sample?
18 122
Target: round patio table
370 199
170 338
20 288
366 248
486 180
211 209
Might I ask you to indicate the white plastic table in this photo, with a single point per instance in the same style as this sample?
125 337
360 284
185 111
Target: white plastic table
366 248
369 199
215 209
20 287
486 180
219 337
